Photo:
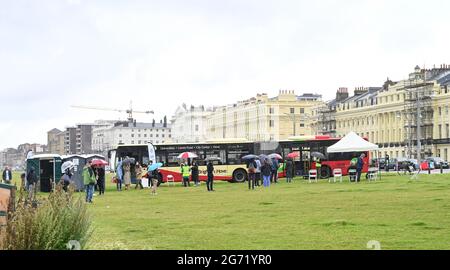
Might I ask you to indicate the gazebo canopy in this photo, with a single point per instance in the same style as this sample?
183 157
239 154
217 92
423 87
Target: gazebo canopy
352 143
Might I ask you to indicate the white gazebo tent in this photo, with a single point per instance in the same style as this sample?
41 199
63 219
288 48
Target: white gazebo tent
352 143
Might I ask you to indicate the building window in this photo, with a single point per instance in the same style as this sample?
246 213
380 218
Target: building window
132 142
157 135
302 110
440 110
447 131
302 125
292 110
139 142
440 131
196 127
120 135
163 135
145 135
271 110
151 135
271 123
132 135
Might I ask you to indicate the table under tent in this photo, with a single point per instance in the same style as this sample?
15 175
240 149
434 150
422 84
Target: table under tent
47 168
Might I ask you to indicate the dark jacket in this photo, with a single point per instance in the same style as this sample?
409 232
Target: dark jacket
210 168
266 169
289 168
101 174
360 164
31 177
194 170
9 174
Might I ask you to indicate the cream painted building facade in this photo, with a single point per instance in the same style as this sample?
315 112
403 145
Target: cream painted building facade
264 119
388 115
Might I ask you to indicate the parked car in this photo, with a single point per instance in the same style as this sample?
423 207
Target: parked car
403 162
392 164
438 162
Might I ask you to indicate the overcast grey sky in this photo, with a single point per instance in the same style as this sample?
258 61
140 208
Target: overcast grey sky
55 53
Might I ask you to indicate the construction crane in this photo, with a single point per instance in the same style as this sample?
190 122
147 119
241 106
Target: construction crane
129 111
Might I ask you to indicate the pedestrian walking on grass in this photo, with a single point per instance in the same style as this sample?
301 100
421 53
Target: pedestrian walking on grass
194 171
138 170
185 173
251 168
7 175
266 171
289 170
154 178
89 181
210 172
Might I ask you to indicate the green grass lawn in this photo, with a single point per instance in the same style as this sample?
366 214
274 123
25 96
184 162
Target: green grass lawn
397 212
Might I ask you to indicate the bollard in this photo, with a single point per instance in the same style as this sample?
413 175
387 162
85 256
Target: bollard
442 169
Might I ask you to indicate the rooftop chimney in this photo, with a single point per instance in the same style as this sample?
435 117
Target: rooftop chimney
341 94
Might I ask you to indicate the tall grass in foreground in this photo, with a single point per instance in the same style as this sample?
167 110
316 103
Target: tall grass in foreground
49 225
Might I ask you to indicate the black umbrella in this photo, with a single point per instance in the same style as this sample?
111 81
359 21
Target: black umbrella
318 155
247 157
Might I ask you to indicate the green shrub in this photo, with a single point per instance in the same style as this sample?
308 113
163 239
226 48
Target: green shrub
50 225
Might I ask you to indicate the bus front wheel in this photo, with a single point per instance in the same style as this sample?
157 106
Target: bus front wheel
239 176
325 172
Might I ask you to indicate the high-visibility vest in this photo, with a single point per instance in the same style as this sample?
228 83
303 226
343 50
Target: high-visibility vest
185 171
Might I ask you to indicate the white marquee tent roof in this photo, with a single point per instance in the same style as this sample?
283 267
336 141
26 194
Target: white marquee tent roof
352 143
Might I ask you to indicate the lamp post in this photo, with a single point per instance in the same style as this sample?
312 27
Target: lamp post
293 119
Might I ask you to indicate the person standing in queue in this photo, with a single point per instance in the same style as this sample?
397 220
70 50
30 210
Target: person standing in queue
185 174
210 171
89 181
258 173
194 171
251 166
266 172
275 166
101 180
289 170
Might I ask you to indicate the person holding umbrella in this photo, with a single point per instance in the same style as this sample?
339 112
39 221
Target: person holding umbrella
251 166
194 171
185 173
101 180
275 166
266 171
289 170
